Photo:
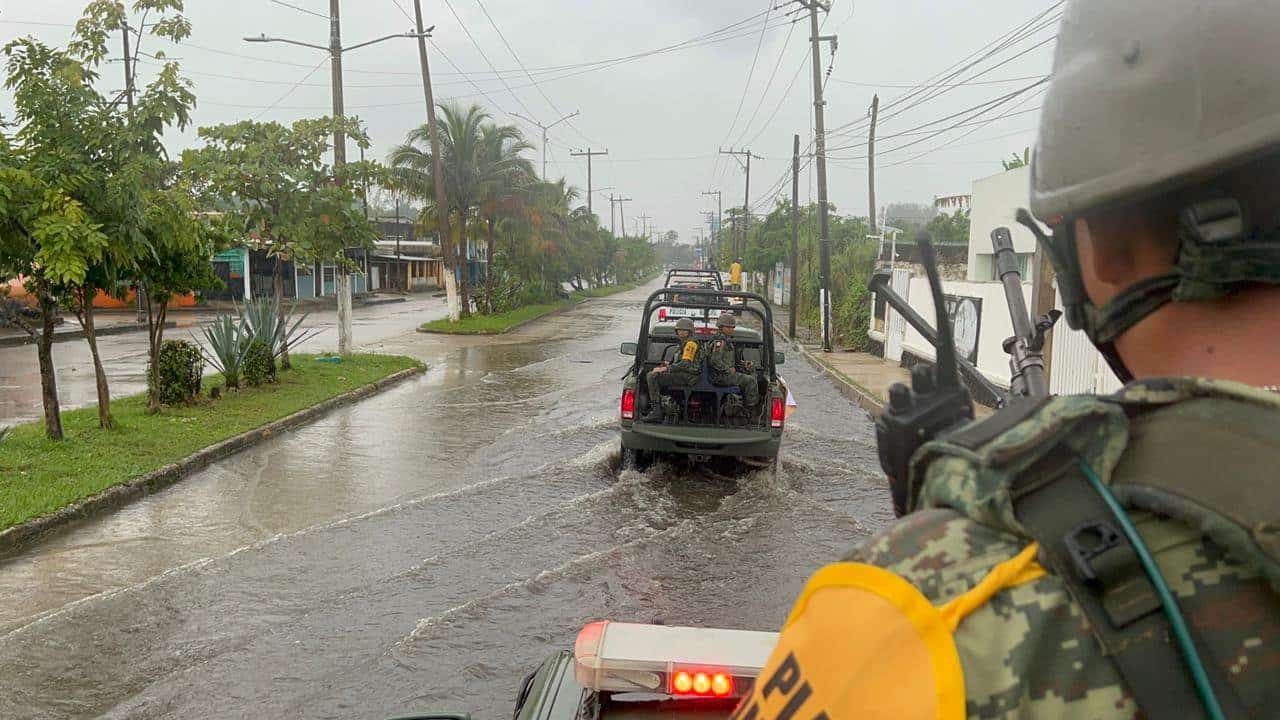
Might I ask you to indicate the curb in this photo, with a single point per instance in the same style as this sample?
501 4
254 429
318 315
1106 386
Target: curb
859 396
26 533
20 340
379 301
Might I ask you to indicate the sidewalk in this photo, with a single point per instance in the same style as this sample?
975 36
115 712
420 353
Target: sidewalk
69 329
862 377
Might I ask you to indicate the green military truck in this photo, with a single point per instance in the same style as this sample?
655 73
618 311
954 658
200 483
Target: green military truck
695 426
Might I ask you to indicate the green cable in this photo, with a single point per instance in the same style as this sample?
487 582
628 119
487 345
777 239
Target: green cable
1176 621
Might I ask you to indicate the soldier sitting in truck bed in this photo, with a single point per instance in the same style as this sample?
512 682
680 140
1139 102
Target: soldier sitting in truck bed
681 370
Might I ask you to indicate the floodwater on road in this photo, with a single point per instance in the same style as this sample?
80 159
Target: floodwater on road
426 548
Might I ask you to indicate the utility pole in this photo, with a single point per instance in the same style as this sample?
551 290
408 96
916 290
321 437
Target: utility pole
644 225
719 220
871 163
795 234
588 155
612 228
399 231
128 100
622 216
437 168
336 50
740 246
544 129
820 147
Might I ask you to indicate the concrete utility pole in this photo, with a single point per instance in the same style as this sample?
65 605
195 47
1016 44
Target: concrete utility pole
871 163
795 234
719 219
644 225
128 100
740 245
588 155
437 170
622 216
336 50
820 147
544 129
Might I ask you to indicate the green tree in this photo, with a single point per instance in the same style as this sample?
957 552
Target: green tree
476 162
1018 160
274 184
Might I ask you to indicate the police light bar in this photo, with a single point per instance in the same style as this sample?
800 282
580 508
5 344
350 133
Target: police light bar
682 662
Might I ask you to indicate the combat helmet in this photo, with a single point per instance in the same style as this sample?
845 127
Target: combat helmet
685 323
1148 98
726 320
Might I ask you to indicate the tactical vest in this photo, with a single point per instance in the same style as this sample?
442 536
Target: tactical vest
1204 453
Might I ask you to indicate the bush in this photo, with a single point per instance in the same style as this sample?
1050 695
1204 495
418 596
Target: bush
259 364
180 373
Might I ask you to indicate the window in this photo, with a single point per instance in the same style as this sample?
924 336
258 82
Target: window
985 267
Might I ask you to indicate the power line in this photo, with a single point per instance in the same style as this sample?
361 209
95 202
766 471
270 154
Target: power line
291 90
746 87
405 13
781 54
480 50
281 3
966 83
526 70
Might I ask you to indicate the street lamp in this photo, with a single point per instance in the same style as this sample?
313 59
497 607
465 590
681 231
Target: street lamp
545 128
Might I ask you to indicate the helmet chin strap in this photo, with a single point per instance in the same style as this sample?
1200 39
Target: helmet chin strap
1217 254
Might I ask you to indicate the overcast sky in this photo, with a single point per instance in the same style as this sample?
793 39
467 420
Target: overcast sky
661 117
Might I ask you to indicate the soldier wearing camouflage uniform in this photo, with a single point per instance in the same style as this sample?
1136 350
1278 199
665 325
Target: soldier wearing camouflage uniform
1158 169
724 362
681 370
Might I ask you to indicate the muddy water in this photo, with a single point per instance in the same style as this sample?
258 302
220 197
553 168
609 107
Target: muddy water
426 548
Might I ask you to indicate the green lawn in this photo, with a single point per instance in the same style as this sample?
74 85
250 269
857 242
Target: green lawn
38 476
503 322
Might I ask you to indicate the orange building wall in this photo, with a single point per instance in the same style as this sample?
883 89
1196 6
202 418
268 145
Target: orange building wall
103 301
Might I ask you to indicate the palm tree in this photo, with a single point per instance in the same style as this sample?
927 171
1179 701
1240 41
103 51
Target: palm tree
482 164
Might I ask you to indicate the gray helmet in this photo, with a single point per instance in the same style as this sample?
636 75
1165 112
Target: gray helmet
726 320
684 324
1151 94
1150 97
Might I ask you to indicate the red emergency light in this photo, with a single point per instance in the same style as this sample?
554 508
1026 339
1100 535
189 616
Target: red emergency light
700 682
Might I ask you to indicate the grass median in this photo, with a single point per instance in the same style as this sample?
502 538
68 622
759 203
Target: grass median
39 476
499 323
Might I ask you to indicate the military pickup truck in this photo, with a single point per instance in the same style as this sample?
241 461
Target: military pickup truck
695 426
627 671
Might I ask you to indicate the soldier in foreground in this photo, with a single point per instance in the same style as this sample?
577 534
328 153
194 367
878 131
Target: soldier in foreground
1017 585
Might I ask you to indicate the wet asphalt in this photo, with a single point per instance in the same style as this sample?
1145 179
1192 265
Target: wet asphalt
426 548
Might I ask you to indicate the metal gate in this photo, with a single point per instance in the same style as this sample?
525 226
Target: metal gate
895 328
1077 367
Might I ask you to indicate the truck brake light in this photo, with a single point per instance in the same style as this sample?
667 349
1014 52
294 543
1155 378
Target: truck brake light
777 413
662 315
628 404
700 682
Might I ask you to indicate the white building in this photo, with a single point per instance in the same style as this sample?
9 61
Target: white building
995 200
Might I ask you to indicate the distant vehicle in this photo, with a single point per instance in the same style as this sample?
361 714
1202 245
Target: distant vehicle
626 671
693 278
694 426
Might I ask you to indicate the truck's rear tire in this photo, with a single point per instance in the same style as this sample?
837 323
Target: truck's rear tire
632 459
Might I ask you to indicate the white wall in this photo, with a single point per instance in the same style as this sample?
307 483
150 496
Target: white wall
995 326
995 201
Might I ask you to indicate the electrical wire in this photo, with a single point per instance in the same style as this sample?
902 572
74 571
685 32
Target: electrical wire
768 85
290 91
406 14
281 3
463 25
746 87
959 84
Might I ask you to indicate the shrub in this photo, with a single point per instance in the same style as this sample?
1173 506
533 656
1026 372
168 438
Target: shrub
180 373
225 347
259 364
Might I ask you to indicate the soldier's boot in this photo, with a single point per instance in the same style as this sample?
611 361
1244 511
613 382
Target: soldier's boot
654 413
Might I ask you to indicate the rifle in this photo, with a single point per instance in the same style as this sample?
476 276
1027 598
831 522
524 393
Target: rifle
937 402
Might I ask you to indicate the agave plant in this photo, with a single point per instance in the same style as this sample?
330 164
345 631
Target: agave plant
260 319
224 347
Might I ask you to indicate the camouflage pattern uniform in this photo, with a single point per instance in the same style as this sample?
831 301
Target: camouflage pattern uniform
1028 652
682 372
723 362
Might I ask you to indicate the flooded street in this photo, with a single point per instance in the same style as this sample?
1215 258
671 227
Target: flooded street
426 548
